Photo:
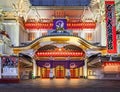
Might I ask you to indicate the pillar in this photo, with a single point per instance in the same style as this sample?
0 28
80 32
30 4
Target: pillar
39 72
81 72
85 69
51 73
34 69
103 34
51 70
68 74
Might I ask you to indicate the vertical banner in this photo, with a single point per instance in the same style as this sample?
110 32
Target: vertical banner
111 26
60 24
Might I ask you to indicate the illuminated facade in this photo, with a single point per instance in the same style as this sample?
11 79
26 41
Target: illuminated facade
61 39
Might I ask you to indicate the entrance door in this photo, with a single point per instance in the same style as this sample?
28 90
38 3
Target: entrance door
45 72
74 72
60 72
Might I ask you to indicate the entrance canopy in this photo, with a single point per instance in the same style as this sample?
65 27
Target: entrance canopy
76 42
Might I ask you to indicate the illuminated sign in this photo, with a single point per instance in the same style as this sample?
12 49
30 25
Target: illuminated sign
110 27
60 24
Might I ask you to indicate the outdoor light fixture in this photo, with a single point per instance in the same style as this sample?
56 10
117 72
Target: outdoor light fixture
60 54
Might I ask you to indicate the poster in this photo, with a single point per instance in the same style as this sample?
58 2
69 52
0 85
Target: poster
9 66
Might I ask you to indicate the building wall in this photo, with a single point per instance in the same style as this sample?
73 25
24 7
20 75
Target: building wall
101 73
95 73
1 48
23 34
13 30
103 34
118 45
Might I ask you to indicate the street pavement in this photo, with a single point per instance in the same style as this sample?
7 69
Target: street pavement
62 85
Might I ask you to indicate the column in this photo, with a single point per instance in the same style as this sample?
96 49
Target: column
85 69
39 72
68 74
103 34
81 72
51 70
68 68
34 68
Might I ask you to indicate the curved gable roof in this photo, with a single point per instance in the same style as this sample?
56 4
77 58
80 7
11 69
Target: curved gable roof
77 41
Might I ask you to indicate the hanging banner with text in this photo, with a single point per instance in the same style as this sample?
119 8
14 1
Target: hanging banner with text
111 27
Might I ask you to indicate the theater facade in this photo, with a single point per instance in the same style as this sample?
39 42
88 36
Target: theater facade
59 58
59 39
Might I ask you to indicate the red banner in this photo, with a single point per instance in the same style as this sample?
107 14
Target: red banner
111 27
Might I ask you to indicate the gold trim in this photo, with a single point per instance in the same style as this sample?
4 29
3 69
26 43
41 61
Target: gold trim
59 39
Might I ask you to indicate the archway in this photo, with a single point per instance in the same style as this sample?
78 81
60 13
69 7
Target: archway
45 72
60 71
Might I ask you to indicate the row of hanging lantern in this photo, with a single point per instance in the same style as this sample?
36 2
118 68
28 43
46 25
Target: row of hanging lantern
60 54
81 25
70 25
111 63
38 25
